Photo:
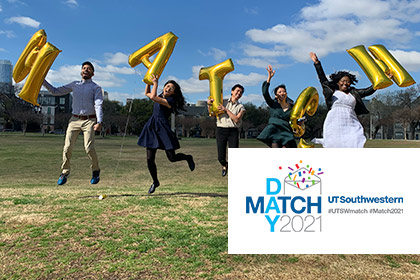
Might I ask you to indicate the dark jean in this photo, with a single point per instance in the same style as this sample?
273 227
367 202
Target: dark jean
225 135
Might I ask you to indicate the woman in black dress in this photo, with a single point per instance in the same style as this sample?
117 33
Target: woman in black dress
278 132
157 133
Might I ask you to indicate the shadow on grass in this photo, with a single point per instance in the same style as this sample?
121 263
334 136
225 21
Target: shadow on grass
181 194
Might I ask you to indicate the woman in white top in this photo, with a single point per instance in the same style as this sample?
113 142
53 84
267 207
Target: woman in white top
342 128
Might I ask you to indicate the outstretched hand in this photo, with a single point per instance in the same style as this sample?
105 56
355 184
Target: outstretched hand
154 79
152 93
314 57
271 73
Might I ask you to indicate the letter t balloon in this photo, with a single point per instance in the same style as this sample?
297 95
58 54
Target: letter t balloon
215 75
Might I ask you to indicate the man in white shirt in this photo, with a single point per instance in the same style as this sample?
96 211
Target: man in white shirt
87 117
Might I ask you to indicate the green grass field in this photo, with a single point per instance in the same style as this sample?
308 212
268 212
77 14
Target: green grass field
180 232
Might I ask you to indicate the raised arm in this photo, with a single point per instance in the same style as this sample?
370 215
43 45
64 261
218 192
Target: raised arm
152 92
318 67
270 72
266 86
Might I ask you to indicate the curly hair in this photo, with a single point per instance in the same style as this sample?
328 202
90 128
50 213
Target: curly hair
178 97
336 77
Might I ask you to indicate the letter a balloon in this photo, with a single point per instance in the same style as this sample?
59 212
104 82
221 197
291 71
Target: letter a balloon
165 44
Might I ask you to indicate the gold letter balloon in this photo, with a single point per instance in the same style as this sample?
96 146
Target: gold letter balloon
307 102
399 74
303 144
165 44
215 75
378 67
34 62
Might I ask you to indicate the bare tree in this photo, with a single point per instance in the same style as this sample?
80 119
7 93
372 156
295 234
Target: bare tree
187 124
61 121
19 112
24 117
208 126
246 125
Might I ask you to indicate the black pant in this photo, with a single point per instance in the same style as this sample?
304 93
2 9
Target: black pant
223 136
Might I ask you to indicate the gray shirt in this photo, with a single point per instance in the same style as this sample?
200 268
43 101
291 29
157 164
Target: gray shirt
87 97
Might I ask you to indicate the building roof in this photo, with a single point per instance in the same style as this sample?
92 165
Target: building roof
194 111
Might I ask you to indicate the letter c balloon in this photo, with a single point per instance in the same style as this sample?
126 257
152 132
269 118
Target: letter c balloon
307 102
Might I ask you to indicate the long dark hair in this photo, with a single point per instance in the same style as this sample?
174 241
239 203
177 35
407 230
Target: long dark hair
177 96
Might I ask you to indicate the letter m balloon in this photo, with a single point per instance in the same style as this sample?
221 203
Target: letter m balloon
381 65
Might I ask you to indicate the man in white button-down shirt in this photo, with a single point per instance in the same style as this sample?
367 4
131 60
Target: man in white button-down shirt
87 117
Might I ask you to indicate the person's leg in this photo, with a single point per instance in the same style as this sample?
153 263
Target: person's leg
275 145
174 157
233 138
221 140
151 164
89 141
73 130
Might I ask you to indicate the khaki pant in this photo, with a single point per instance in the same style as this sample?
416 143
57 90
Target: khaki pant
74 128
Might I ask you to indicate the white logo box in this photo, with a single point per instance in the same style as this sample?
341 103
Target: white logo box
354 175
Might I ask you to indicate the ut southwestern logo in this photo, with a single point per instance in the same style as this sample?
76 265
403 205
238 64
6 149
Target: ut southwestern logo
298 181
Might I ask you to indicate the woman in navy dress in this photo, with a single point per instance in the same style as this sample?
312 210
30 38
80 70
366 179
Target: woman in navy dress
157 133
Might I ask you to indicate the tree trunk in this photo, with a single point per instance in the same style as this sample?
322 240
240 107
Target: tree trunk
24 128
